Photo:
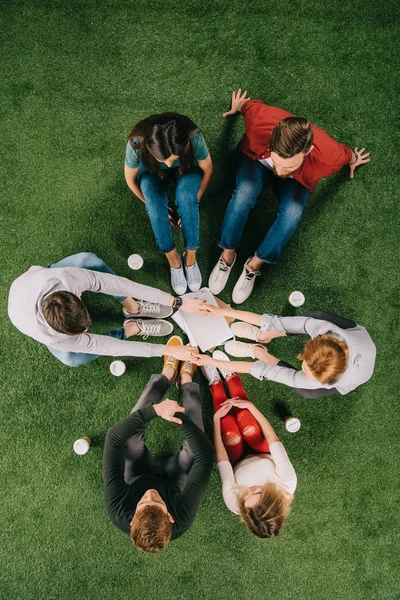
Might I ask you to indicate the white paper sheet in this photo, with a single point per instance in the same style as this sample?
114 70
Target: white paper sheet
204 332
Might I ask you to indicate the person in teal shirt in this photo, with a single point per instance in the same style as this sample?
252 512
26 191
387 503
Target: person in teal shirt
158 148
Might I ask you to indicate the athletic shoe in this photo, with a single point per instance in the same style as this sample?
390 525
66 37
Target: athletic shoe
186 367
241 349
245 284
171 361
245 330
219 355
219 275
149 310
210 373
178 279
156 328
193 277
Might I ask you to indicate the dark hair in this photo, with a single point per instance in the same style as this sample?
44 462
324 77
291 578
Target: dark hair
66 313
151 529
291 136
163 135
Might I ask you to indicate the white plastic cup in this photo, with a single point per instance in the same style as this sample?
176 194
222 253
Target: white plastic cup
82 445
118 368
296 299
292 424
135 262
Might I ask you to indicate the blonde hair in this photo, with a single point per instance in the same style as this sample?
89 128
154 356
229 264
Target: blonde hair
151 529
326 357
267 517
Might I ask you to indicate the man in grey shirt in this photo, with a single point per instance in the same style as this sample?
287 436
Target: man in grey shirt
44 303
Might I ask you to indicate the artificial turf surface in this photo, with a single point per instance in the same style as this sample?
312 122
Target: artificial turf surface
76 76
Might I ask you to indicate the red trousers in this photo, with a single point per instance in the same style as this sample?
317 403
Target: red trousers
238 426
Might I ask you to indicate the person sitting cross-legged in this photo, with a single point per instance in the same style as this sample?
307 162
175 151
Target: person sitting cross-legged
338 358
152 501
45 304
258 479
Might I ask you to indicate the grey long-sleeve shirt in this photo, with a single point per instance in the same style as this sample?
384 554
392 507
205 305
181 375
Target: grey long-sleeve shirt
361 357
31 288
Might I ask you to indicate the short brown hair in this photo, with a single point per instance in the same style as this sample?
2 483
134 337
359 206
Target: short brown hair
326 357
151 529
66 313
267 517
291 136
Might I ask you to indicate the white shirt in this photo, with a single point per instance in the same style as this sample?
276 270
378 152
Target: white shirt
257 470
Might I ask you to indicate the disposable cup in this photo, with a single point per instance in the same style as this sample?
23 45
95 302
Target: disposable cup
296 298
292 424
118 368
82 445
135 262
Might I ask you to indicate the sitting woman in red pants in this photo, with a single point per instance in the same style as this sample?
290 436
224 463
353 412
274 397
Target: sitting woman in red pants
258 479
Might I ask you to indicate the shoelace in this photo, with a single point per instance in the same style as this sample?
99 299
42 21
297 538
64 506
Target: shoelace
148 307
147 329
222 269
247 278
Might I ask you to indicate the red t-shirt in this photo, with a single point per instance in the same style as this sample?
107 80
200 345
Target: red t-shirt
327 156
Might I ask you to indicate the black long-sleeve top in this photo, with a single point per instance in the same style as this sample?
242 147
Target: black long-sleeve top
121 498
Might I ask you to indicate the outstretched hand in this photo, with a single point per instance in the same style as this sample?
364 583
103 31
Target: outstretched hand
361 159
167 409
181 352
192 305
238 99
202 360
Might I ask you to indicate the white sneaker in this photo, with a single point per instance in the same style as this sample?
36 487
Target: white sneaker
210 373
245 284
219 276
245 330
219 355
241 349
193 277
178 280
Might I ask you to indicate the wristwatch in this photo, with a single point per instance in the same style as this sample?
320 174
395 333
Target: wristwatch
178 301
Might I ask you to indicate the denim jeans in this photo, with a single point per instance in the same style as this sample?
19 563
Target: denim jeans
155 192
251 178
85 260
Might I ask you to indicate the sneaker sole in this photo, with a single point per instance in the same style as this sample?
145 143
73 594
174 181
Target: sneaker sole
135 317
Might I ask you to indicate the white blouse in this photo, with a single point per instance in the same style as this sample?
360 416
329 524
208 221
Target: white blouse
257 470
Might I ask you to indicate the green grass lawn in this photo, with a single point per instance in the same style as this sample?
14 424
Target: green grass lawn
76 76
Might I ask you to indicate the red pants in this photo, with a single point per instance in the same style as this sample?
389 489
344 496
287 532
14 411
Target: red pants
239 425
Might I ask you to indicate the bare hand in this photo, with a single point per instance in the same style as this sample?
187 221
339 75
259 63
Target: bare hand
192 305
182 352
166 410
223 410
203 360
238 99
241 403
361 159
209 310
174 219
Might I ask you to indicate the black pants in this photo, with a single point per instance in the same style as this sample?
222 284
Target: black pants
339 322
139 459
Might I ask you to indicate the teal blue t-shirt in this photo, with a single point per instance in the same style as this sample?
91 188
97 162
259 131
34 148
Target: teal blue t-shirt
199 146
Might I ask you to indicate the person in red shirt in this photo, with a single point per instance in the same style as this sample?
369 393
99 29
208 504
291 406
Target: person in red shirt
291 155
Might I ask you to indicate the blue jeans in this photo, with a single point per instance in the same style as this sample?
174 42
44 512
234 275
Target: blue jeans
251 178
155 192
84 260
